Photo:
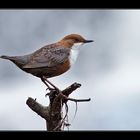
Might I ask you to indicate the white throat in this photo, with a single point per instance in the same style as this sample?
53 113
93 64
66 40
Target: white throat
74 53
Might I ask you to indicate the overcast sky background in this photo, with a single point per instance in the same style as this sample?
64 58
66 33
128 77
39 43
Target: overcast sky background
108 69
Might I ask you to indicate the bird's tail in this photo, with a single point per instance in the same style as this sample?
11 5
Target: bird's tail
18 60
5 57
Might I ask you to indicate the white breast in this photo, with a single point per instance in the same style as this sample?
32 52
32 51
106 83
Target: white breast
74 53
73 56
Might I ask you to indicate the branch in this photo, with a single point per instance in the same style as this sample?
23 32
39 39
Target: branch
71 88
78 100
66 92
41 110
53 113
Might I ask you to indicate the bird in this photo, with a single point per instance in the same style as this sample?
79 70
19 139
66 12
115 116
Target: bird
50 60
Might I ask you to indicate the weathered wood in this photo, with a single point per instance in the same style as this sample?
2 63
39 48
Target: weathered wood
53 113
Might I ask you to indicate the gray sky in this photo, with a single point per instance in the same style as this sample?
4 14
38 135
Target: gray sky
108 69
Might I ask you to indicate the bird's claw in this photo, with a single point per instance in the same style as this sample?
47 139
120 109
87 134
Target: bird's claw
48 94
51 91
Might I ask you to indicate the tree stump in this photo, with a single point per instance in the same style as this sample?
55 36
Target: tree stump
53 113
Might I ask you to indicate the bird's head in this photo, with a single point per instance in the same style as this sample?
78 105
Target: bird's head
74 40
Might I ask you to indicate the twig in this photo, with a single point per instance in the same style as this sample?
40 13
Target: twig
75 100
52 113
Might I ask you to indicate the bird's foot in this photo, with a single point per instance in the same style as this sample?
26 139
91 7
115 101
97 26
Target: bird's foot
52 90
48 94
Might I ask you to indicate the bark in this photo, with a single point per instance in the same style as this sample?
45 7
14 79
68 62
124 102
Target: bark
53 113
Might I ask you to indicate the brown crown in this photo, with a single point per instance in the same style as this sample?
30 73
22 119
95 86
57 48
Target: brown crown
75 37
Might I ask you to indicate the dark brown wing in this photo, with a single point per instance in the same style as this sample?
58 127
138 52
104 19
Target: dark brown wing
48 56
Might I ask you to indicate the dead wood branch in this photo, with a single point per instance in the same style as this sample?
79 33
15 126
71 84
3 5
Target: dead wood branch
53 113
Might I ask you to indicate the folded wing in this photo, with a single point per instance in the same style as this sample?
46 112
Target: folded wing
48 56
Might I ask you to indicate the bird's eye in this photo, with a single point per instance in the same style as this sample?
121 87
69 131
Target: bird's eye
76 40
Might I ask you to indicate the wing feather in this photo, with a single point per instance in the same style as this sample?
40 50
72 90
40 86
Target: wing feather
48 57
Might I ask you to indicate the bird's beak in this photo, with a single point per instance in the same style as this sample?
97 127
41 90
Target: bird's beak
88 41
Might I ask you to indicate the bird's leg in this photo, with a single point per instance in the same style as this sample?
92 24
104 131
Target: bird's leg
43 80
52 90
48 83
56 88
